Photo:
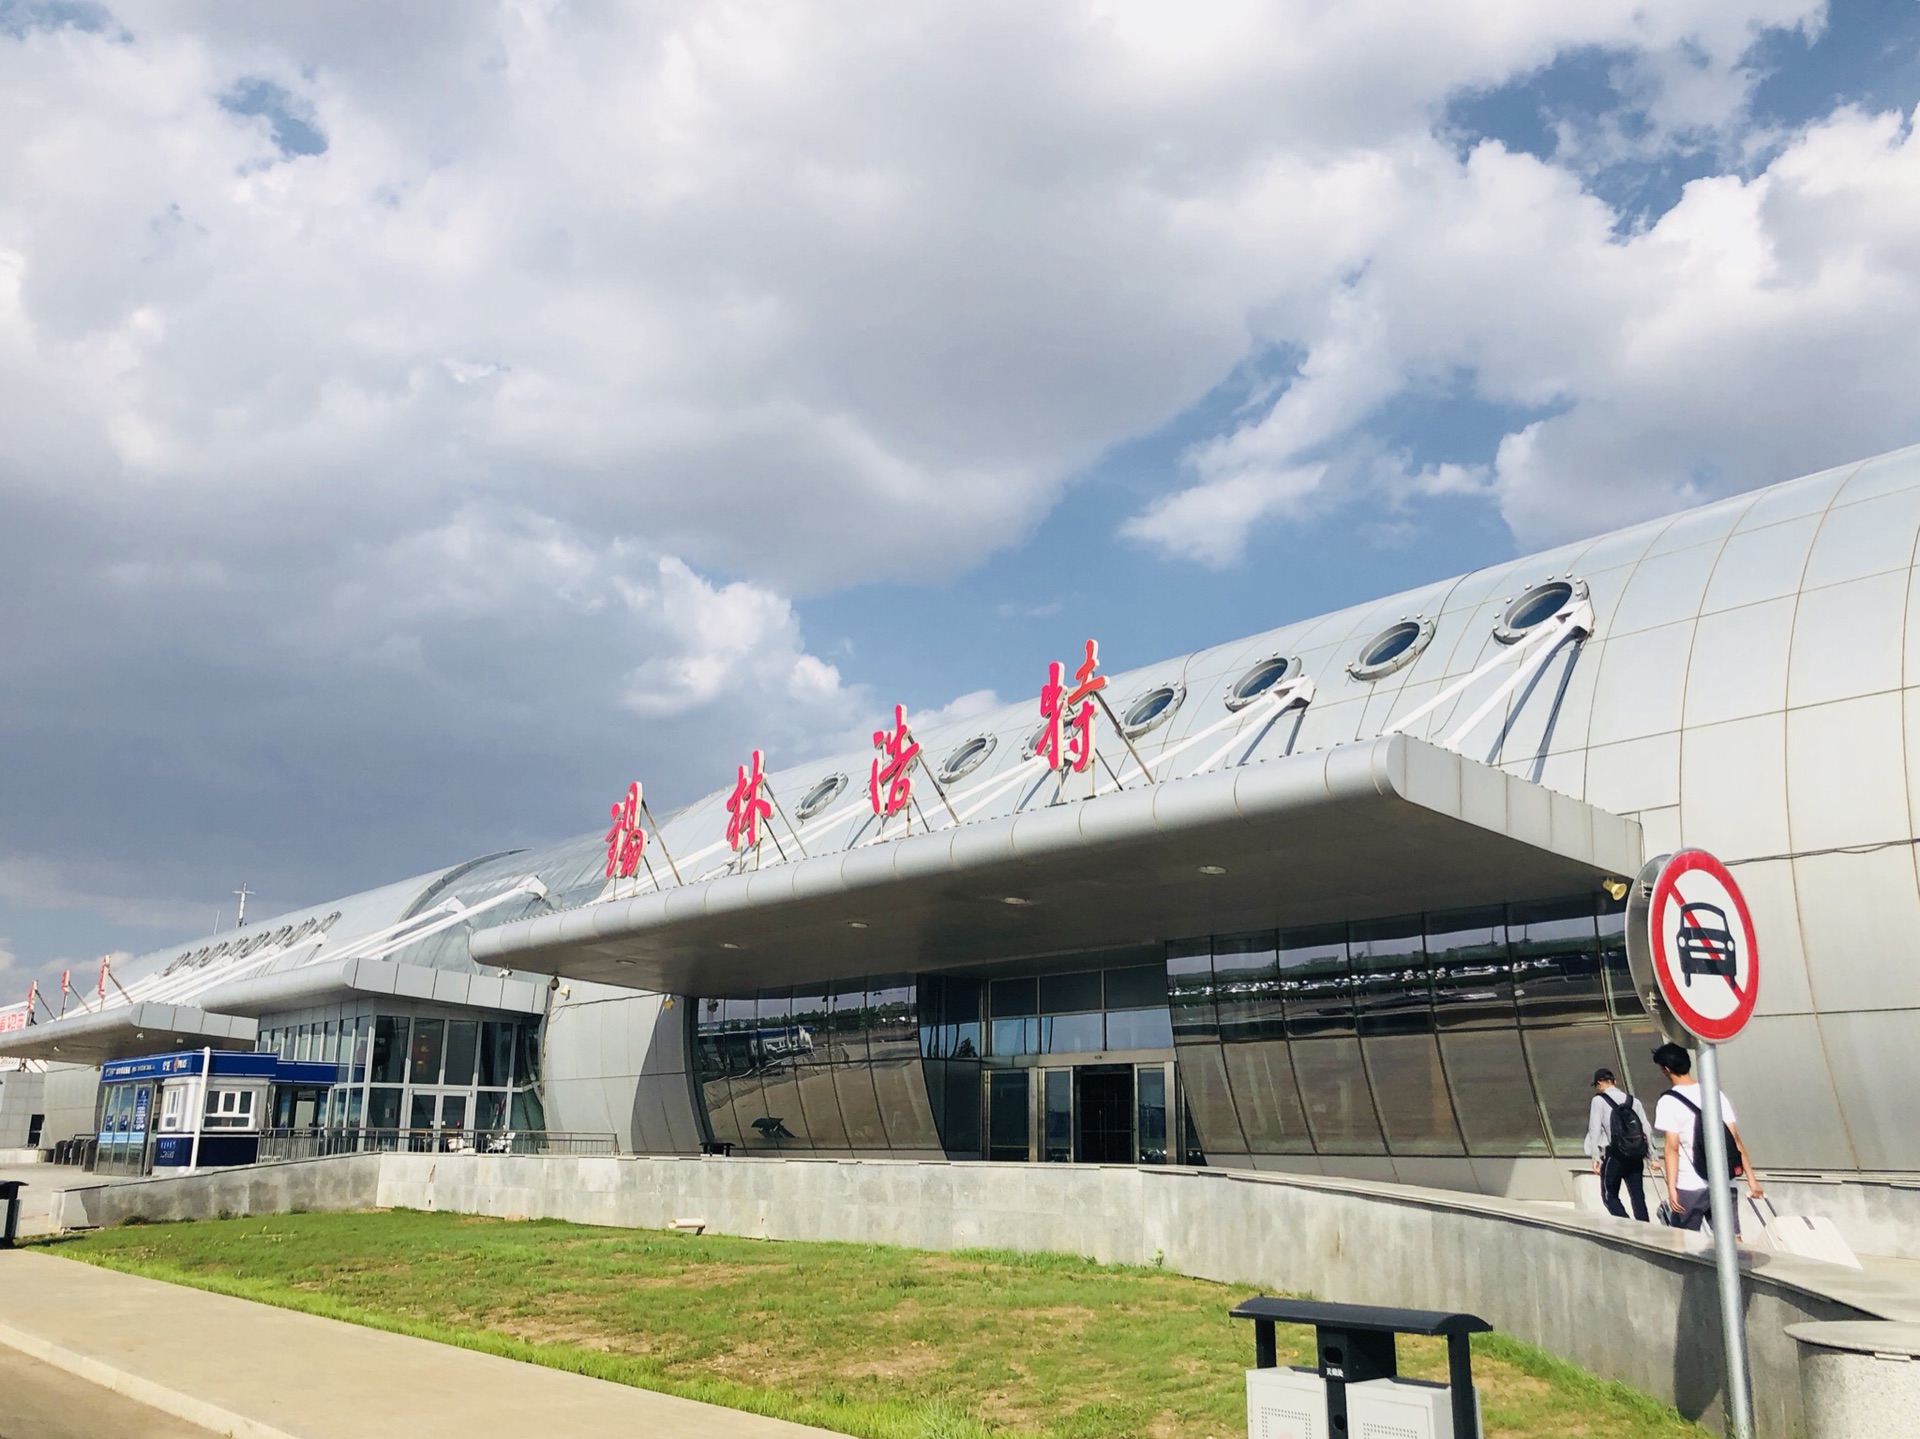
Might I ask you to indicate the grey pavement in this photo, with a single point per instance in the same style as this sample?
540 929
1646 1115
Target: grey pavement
38 1401
41 1181
257 1372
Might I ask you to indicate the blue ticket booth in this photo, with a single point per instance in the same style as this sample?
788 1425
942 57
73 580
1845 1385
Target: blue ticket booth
202 1108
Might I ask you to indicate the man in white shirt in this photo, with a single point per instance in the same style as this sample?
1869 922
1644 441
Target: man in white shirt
1618 1148
1678 1117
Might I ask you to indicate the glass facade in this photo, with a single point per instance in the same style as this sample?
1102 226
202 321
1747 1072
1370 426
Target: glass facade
830 1068
421 1072
1466 1033
1474 1032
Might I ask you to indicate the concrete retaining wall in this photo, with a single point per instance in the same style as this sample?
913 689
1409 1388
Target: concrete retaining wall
1626 1301
349 1181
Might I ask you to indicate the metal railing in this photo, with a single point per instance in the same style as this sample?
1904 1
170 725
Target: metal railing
276 1144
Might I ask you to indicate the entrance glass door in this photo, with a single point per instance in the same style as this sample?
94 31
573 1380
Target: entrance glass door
1057 1117
1008 1120
1104 1101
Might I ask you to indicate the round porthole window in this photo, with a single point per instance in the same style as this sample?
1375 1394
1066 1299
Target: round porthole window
1394 648
1536 606
1261 678
820 796
1034 741
966 757
1152 709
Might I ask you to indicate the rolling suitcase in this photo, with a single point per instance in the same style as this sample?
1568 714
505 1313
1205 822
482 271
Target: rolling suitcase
1807 1235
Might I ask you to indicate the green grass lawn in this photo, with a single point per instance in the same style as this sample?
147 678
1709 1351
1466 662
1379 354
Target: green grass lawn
880 1342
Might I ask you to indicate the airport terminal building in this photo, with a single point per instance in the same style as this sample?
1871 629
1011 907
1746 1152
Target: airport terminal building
1341 897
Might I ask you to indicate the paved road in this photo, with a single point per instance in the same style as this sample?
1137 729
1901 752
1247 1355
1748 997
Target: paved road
38 1401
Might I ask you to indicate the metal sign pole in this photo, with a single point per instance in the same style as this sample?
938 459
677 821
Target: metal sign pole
1725 1258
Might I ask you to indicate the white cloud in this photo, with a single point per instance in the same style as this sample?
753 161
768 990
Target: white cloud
453 470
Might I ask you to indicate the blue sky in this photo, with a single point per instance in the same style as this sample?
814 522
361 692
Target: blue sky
421 423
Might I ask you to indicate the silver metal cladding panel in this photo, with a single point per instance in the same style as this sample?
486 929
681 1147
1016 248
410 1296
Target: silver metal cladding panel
1732 785
1844 780
1738 663
1848 640
1876 1070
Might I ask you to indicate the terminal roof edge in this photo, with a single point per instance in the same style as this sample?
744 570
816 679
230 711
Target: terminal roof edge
1387 826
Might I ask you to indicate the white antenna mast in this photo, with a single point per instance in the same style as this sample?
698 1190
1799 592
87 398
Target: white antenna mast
241 918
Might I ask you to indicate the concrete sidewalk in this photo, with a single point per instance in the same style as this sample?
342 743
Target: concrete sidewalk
252 1370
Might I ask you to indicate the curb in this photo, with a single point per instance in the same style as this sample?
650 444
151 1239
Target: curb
208 1416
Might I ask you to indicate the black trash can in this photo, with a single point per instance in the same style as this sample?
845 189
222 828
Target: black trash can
10 1210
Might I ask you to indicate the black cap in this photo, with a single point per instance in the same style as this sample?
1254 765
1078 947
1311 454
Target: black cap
1603 1073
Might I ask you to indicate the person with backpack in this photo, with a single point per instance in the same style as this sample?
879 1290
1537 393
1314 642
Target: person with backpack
1617 1144
1678 1117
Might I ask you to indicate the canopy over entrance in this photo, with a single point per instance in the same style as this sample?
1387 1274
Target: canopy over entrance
127 1030
1382 827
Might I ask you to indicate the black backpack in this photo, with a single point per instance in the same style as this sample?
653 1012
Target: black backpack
1734 1167
1627 1135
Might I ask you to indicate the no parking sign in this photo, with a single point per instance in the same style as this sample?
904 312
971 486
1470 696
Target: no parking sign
1691 945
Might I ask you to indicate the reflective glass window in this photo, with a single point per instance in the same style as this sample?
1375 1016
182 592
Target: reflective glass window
1612 923
782 1124
1016 1036
859 1106
1638 1040
1266 1098
524 1110
1333 1090
526 1052
900 1086
950 1018
1070 993
1410 1091
1139 1029
1316 980
1150 1124
1072 1033
1492 1094
1007 1114
1137 987
1203 1083
716 1093
1556 961
812 1077
848 1020
354 1097
303 1045
1190 989
329 1043
1393 992
1246 986
1471 968
893 1026
1057 1135
389 1052
463 1044
496 1053
423 1056
1013 998
1564 1058
959 1087
383 1108
490 1109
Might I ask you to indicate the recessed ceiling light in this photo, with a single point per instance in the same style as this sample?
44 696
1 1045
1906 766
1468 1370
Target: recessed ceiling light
1213 869
626 963
856 924
728 944
1015 899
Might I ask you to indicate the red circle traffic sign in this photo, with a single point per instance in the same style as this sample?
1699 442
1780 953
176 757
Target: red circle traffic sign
1705 957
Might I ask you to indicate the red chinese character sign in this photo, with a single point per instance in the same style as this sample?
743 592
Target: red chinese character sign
898 749
1066 739
746 806
626 839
